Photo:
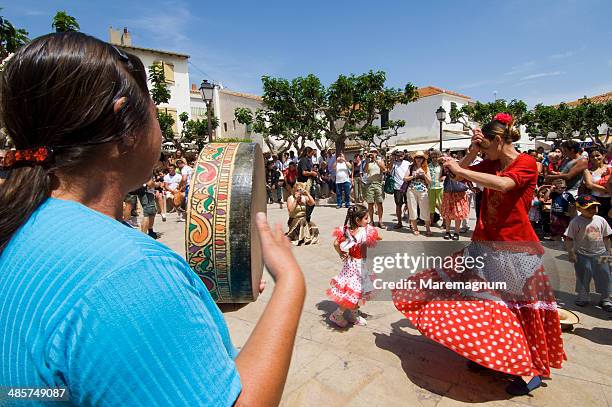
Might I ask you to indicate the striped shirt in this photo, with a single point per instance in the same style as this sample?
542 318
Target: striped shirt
110 314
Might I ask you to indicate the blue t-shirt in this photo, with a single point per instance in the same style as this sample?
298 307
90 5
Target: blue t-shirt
560 202
104 310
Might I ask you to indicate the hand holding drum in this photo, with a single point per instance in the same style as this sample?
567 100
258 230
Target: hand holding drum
222 240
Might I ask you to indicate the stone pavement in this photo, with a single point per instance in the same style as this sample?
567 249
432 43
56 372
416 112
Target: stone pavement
389 362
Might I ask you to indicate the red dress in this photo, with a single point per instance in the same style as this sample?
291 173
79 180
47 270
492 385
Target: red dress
514 330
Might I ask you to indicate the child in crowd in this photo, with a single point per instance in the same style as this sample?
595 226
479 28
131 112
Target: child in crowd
273 184
562 209
353 286
535 211
587 238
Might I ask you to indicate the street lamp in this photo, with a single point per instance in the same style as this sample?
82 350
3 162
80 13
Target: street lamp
206 89
441 115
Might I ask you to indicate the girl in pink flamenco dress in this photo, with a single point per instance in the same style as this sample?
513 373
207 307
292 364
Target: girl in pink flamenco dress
353 286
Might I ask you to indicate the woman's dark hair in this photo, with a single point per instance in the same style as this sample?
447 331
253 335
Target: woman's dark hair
572 145
354 214
59 92
507 132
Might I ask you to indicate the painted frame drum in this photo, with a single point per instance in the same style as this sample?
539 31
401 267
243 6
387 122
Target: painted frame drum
222 244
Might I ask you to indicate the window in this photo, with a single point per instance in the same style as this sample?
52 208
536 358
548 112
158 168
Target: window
384 119
168 70
198 113
225 127
234 124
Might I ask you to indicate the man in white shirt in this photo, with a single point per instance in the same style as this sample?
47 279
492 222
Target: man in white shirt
343 170
398 172
172 182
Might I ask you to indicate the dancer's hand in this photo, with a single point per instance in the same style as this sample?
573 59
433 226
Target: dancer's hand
452 165
477 138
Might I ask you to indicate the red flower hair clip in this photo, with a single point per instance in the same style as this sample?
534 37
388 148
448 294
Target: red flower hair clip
504 118
33 156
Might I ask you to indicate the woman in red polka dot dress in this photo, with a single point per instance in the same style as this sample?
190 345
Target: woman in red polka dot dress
353 286
516 329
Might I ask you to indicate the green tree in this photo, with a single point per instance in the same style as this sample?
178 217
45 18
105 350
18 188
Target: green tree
566 122
11 38
482 113
303 109
374 135
159 89
63 22
196 131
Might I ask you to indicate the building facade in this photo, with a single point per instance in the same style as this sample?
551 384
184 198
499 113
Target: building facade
175 69
422 125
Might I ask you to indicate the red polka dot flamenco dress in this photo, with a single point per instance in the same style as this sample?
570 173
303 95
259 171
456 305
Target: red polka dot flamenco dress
515 330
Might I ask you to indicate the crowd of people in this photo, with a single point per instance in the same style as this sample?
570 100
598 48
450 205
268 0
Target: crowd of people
166 192
426 195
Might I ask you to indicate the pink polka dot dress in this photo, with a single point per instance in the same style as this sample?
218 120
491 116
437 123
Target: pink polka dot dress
353 285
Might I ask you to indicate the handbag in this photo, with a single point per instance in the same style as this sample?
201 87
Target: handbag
404 187
389 184
450 185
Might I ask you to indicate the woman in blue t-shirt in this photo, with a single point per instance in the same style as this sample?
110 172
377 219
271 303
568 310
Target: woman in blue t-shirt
87 304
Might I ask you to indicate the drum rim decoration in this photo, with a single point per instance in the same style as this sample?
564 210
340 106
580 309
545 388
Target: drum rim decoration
222 188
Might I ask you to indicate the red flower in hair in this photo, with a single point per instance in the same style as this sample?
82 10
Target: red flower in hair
41 154
504 118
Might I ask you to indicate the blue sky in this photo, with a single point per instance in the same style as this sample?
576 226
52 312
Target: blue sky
538 51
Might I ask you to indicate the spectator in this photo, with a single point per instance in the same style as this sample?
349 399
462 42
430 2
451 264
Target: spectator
586 239
343 181
595 180
398 172
358 185
374 168
562 209
273 186
306 175
572 167
172 181
435 187
418 178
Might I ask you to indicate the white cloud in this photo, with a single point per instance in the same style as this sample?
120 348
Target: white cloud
562 55
525 66
540 75
477 84
163 29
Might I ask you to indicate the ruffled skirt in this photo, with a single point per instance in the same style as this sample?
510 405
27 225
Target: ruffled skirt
516 331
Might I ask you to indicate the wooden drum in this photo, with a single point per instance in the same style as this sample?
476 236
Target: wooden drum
222 244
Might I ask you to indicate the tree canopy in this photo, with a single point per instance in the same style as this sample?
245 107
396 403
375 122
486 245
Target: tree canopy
63 22
580 121
303 109
482 113
11 38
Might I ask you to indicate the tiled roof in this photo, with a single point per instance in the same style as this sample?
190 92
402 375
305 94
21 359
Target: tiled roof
606 97
194 90
432 90
242 95
155 51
